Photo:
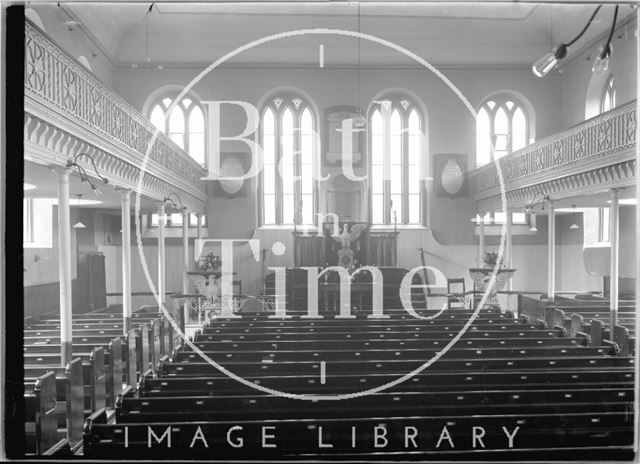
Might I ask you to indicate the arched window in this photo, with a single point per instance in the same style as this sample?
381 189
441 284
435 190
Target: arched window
287 193
504 121
608 99
396 141
185 125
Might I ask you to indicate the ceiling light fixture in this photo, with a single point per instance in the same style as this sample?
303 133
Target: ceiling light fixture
538 199
73 163
168 200
79 225
548 61
146 20
601 63
532 222
574 225
28 186
359 120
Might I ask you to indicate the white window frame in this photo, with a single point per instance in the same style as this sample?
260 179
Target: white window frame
500 101
405 106
39 223
193 220
278 104
603 224
186 112
609 90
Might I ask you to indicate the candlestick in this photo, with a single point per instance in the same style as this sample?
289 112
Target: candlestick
300 203
395 221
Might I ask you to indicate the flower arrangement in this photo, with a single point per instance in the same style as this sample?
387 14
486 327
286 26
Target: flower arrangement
491 259
209 263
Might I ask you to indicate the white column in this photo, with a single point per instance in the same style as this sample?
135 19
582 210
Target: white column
551 271
508 258
614 236
481 242
185 262
161 255
125 213
64 265
199 216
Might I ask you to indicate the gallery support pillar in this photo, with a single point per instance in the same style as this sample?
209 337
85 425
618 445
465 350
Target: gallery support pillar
185 264
64 265
199 217
161 254
481 242
125 213
551 258
614 238
508 255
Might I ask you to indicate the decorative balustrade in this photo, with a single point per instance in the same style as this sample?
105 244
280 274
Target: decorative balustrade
62 88
607 139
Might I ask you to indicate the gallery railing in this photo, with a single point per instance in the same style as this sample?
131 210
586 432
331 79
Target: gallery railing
61 89
604 140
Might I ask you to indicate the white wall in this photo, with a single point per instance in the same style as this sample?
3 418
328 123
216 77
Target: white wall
576 74
558 101
74 41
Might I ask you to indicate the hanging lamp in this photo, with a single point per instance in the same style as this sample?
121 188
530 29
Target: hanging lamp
79 225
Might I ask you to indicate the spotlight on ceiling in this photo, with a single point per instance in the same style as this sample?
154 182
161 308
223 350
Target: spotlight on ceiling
548 61
601 63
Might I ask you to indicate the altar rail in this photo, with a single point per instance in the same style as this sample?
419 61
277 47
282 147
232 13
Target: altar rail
601 149
69 111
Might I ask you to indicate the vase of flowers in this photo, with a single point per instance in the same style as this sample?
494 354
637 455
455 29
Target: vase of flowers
209 263
491 260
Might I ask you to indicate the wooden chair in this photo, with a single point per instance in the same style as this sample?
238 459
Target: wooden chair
456 295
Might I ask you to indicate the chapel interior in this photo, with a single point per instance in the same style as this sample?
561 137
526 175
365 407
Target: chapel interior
202 181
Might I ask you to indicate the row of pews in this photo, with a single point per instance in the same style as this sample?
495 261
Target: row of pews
58 398
586 317
506 389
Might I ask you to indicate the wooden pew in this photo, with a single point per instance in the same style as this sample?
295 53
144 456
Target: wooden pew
425 381
41 423
117 316
391 366
65 408
587 431
374 353
92 378
442 339
510 373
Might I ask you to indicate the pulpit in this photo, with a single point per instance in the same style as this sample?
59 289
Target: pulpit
377 248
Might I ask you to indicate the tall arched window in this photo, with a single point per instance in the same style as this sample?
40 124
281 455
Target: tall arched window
608 99
185 125
504 121
396 141
287 192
